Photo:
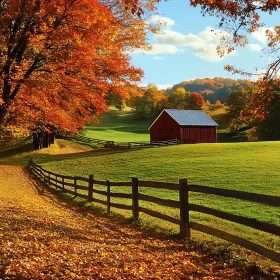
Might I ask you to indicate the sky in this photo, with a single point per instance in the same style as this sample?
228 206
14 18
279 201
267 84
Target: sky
187 48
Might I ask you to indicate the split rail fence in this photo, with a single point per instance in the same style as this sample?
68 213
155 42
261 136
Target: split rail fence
126 145
73 186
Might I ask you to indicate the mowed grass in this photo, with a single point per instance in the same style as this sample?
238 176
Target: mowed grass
250 167
119 126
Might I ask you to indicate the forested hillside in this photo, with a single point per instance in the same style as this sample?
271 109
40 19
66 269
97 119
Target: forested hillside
212 89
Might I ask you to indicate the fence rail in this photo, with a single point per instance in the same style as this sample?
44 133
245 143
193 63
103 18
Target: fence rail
88 192
125 145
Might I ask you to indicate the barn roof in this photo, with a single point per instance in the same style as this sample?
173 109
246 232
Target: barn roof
189 117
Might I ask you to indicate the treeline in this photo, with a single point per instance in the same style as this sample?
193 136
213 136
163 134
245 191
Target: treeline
252 109
255 111
148 102
212 89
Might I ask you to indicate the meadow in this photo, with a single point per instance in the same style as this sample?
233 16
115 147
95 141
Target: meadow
250 167
122 126
119 126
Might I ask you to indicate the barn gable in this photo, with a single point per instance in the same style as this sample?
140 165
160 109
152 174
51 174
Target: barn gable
189 126
188 117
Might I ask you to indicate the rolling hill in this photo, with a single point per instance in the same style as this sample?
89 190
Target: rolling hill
212 89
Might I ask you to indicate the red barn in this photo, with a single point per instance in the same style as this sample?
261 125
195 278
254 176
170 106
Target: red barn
189 126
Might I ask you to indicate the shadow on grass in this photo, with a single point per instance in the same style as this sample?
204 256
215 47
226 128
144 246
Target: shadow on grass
22 154
137 129
225 137
121 121
87 209
17 150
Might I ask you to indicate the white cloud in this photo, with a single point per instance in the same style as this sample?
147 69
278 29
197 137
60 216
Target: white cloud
260 35
157 49
178 39
208 53
210 34
162 49
168 22
255 47
203 44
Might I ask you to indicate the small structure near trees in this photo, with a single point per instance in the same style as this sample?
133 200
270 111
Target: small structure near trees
188 126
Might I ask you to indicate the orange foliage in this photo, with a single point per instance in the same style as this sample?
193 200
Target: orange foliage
196 100
59 59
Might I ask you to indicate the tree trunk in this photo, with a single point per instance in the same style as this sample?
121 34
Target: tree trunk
42 140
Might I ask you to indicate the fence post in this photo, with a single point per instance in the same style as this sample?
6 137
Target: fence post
75 185
90 187
49 179
184 209
63 184
108 197
135 198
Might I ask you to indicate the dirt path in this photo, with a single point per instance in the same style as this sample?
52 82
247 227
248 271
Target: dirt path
43 236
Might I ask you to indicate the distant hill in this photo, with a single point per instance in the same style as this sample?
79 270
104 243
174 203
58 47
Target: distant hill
212 89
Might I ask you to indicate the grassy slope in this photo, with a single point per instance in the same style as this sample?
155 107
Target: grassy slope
123 127
240 166
251 167
119 126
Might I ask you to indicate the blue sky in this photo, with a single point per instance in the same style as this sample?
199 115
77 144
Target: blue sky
187 50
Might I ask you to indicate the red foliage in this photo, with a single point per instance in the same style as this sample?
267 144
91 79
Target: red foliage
60 58
196 100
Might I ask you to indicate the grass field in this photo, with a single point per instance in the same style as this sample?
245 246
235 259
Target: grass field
122 126
251 167
119 126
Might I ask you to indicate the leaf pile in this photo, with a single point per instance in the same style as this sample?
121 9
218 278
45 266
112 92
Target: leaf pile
44 237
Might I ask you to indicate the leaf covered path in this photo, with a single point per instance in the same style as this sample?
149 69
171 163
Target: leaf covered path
42 236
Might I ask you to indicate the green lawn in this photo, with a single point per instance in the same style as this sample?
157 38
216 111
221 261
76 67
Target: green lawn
122 126
119 126
251 167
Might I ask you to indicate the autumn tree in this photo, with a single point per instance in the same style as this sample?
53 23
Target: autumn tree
218 104
196 101
269 128
151 103
256 111
237 103
178 98
114 99
207 103
59 59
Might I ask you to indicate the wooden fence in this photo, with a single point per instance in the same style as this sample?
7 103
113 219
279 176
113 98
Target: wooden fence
125 145
88 192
